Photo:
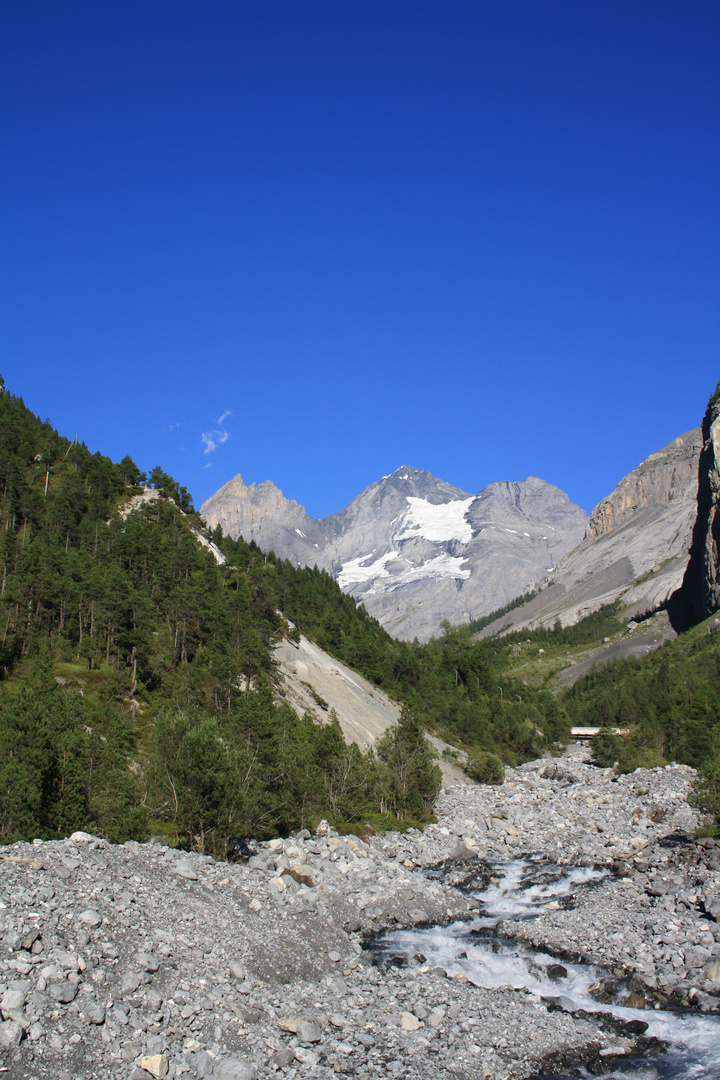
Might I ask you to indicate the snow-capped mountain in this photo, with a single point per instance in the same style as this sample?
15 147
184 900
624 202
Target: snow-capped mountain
414 549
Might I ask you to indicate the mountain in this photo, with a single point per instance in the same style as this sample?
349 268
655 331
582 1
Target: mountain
636 548
414 549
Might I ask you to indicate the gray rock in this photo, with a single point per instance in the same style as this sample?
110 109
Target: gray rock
203 1064
63 992
306 1056
94 1013
130 983
418 916
147 962
18 1016
90 918
12 999
234 1068
186 871
460 853
308 1032
11 1033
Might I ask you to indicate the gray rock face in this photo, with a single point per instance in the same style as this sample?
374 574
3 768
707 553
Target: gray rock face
636 548
315 682
412 548
263 514
701 587
666 477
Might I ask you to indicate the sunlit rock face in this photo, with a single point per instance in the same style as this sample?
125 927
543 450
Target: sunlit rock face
636 548
414 549
666 479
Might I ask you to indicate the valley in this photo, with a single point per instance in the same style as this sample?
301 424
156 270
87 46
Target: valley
563 918
248 832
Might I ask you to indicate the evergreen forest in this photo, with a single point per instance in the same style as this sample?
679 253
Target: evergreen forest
139 695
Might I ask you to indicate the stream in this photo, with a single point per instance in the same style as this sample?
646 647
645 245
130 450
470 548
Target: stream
520 890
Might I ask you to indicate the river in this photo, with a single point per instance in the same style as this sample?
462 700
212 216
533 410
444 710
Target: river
521 889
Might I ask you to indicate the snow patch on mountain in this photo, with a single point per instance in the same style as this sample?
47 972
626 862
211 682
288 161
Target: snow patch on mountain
360 572
370 578
437 523
442 566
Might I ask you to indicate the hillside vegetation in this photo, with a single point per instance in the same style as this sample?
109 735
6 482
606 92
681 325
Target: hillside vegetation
138 680
138 691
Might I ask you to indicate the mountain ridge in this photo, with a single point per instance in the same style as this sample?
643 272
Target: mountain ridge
415 549
635 551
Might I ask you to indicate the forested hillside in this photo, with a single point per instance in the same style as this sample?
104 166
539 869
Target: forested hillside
137 673
138 691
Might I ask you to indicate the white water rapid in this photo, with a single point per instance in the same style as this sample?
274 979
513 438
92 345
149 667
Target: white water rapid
519 891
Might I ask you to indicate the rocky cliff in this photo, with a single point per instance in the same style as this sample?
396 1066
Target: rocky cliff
414 549
663 478
636 548
263 514
701 587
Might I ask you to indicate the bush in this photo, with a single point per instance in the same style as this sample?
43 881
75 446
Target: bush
484 767
705 793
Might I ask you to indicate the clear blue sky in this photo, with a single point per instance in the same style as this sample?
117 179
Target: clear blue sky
311 241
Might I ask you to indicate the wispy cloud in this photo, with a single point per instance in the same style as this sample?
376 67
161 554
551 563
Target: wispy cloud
175 427
217 435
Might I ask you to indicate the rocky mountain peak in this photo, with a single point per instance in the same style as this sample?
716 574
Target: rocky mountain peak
413 548
663 477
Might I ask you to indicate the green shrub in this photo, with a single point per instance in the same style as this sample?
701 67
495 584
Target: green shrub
705 793
484 767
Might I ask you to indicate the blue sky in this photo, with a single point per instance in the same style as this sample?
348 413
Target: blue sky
312 241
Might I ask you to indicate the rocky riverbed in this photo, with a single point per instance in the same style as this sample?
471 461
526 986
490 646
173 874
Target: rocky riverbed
136 960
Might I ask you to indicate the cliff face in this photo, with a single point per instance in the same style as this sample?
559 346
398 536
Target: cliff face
636 547
262 513
702 581
664 477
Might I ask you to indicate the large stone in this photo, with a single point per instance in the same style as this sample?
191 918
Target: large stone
130 983
147 962
301 875
306 1056
11 1033
461 853
94 1013
156 1065
68 961
63 992
290 1023
712 971
308 1032
12 999
234 1068
418 916
186 871
91 918
409 1022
